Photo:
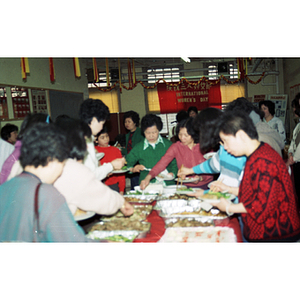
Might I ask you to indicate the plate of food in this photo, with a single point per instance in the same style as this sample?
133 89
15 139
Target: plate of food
187 179
209 155
164 175
83 215
215 196
123 170
186 190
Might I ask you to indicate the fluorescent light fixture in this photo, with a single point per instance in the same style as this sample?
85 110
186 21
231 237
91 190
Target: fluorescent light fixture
186 59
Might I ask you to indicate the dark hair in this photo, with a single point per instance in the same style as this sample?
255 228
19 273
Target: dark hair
205 124
91 108
150 120
75 132
7 129
189 125
242 104
295 104
233 121
43 143
192 108
104 130
269 104
134 117
31 120
181 115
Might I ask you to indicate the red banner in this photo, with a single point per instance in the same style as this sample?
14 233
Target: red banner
175 98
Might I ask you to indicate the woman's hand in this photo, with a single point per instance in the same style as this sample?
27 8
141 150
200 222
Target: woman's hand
184 171
144 183
127 209
290 160
218 186
137 169
118 163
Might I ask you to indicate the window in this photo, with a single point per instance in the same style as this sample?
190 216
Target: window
169 74
109 98
233 71
102 81
212 72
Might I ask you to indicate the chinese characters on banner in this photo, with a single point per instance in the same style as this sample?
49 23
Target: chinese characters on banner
175 98
20 101
39 101
3 104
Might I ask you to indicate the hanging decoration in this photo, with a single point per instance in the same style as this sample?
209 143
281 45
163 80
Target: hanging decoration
24 67
107 72
95 70
242 74
120 83
129 73
133 72
51 69
76 67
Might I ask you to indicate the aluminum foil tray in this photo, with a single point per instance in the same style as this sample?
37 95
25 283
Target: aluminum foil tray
112 226
189 222
199 235
169 203
141 212
139 199
175 197
130 235
189 211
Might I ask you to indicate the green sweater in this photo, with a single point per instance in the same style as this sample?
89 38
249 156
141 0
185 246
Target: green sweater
149 157
136 138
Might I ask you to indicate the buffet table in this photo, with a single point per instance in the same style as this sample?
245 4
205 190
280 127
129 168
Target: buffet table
158 228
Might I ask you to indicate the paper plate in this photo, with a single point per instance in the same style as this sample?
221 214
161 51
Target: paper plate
209 155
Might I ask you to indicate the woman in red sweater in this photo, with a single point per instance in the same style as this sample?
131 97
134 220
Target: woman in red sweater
266 198
115 181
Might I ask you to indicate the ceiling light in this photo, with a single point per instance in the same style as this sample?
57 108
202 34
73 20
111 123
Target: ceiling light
186 59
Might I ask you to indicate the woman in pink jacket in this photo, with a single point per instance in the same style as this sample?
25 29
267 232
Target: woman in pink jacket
186 152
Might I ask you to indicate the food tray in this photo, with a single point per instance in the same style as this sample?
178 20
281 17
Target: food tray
107 226
169 203
175 196
141 212
189 211
139 199
189 222
199 235
105 235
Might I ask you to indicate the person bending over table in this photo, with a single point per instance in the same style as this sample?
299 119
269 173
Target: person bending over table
266 198
77 183
229 166
186 152
43 155
95 113
149 151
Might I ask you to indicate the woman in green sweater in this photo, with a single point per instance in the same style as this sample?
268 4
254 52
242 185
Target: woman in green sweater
149 151
131 121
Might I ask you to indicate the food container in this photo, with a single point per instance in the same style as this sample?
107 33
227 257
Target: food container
189 222
142 227
128 236
169 203
199 235
140 199
141 212
171 189
189 211
175 196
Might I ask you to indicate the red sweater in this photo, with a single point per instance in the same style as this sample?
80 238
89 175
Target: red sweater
267 194
111 153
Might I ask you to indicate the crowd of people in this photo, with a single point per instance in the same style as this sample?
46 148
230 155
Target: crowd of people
52 168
